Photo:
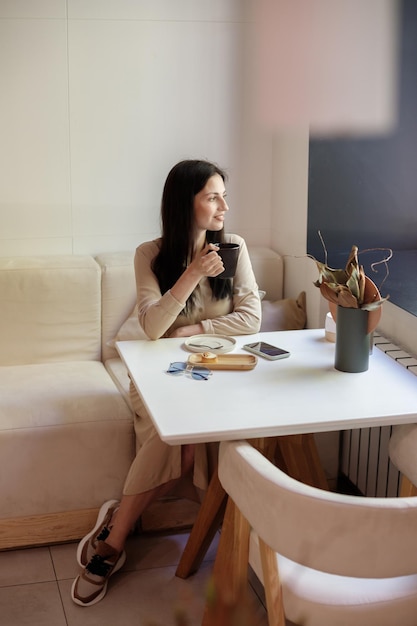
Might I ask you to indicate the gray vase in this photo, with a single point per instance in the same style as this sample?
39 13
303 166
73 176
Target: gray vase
353 341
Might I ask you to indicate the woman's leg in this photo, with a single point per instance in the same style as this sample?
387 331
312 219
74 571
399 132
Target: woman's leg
132 506
108 552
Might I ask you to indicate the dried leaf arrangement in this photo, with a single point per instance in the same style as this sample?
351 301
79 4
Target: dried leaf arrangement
350 287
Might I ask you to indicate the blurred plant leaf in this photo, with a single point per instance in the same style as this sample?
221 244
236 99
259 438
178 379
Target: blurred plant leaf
372 306
353 283
362 281
329 275
346 298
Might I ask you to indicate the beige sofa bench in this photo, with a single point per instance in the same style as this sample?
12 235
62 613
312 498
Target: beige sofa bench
66 426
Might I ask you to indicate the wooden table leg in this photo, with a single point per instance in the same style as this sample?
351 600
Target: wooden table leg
297 456
407 488
267 446
205 527
230 573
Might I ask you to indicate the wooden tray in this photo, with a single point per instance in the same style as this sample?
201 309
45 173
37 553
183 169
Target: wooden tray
225 361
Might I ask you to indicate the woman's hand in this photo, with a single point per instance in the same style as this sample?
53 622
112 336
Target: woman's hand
207 262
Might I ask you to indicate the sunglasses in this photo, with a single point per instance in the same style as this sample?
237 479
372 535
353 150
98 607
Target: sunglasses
196 372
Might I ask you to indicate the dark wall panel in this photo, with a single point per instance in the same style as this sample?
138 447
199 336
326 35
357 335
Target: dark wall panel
364 191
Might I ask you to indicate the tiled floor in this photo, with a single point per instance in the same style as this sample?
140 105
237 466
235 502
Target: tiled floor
35 587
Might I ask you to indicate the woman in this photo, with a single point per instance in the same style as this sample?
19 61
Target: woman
178 295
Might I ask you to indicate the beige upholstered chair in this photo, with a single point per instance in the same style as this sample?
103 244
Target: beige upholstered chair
338 560
403 453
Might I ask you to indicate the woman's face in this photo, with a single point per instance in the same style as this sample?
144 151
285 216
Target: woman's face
210 205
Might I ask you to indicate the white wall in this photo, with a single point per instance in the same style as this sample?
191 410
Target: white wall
289 220
100 98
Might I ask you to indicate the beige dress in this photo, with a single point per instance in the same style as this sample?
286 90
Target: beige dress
157 462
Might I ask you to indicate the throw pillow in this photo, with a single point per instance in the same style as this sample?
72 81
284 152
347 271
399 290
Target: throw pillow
286 314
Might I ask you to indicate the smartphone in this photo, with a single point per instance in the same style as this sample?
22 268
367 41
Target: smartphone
266 350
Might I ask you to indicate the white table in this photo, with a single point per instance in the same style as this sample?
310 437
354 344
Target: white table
301 394
290 398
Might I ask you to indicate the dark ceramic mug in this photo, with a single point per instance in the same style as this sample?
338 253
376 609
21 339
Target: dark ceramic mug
229 253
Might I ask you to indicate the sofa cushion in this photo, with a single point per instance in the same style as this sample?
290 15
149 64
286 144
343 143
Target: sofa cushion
49 394
268 267
118 296
118 372
286 314
50 309
67 437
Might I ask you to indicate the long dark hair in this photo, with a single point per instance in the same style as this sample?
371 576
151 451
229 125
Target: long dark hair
183 182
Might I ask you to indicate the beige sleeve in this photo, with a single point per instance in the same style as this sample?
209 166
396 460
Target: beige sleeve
156 312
